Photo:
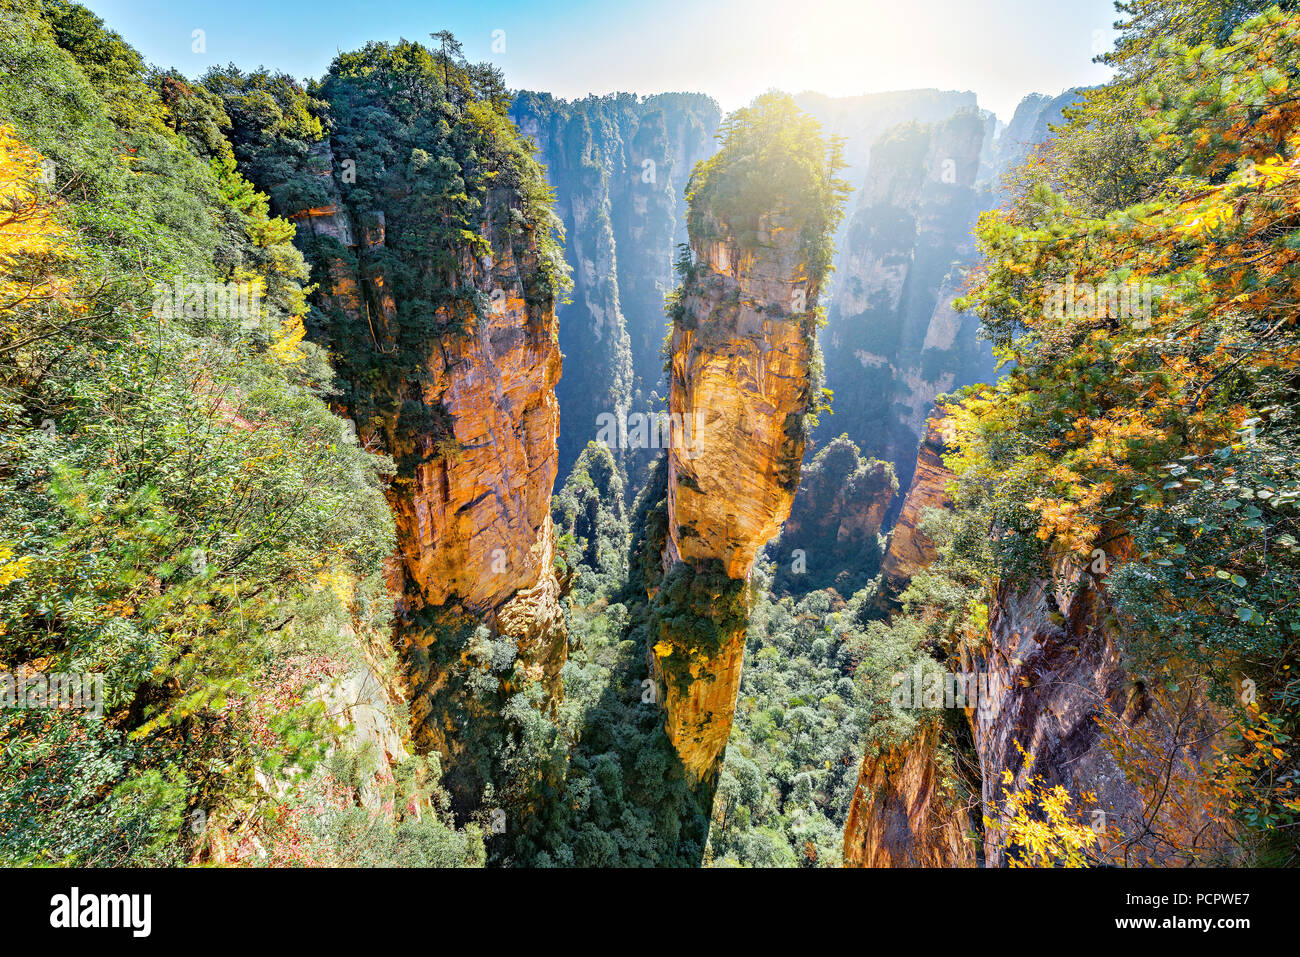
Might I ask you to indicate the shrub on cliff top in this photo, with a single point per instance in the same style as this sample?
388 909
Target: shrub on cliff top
774 164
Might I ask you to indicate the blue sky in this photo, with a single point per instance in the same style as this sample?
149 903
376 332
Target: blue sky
1001 49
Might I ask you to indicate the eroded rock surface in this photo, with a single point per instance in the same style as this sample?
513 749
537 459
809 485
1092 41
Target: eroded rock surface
904 813
910 549
739 380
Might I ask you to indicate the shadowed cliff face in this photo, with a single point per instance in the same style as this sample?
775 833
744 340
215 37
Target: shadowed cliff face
1052 651
1030 126
1051 682
903 814
893 341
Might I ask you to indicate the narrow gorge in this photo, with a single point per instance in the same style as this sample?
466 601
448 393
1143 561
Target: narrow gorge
420 471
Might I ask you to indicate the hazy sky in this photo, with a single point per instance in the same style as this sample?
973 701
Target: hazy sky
1001 49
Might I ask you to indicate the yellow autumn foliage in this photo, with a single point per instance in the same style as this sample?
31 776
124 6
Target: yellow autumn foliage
33 242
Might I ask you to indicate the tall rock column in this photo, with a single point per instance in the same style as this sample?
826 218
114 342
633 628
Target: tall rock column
743 384
438 269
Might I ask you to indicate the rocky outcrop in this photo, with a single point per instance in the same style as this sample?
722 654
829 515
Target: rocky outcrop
1055 705
742 382
892 340
360 702
1065 699
910 549
905 811
832 537
618 165
1030 126
739 383
862 120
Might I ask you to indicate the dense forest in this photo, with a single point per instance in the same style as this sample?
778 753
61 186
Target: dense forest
313 551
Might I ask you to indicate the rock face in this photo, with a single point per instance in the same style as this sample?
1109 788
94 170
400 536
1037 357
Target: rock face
474 518
902 813
465 404
361 703
892 340
698 717
910 549
1054 686
1030 126
619 166
1053 655
739 377
862 120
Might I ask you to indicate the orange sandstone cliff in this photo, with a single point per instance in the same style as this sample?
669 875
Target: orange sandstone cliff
910 549
739 378
744 390
468 412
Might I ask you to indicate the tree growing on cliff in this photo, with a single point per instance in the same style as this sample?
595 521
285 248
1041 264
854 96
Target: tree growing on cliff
1149 416
774 167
